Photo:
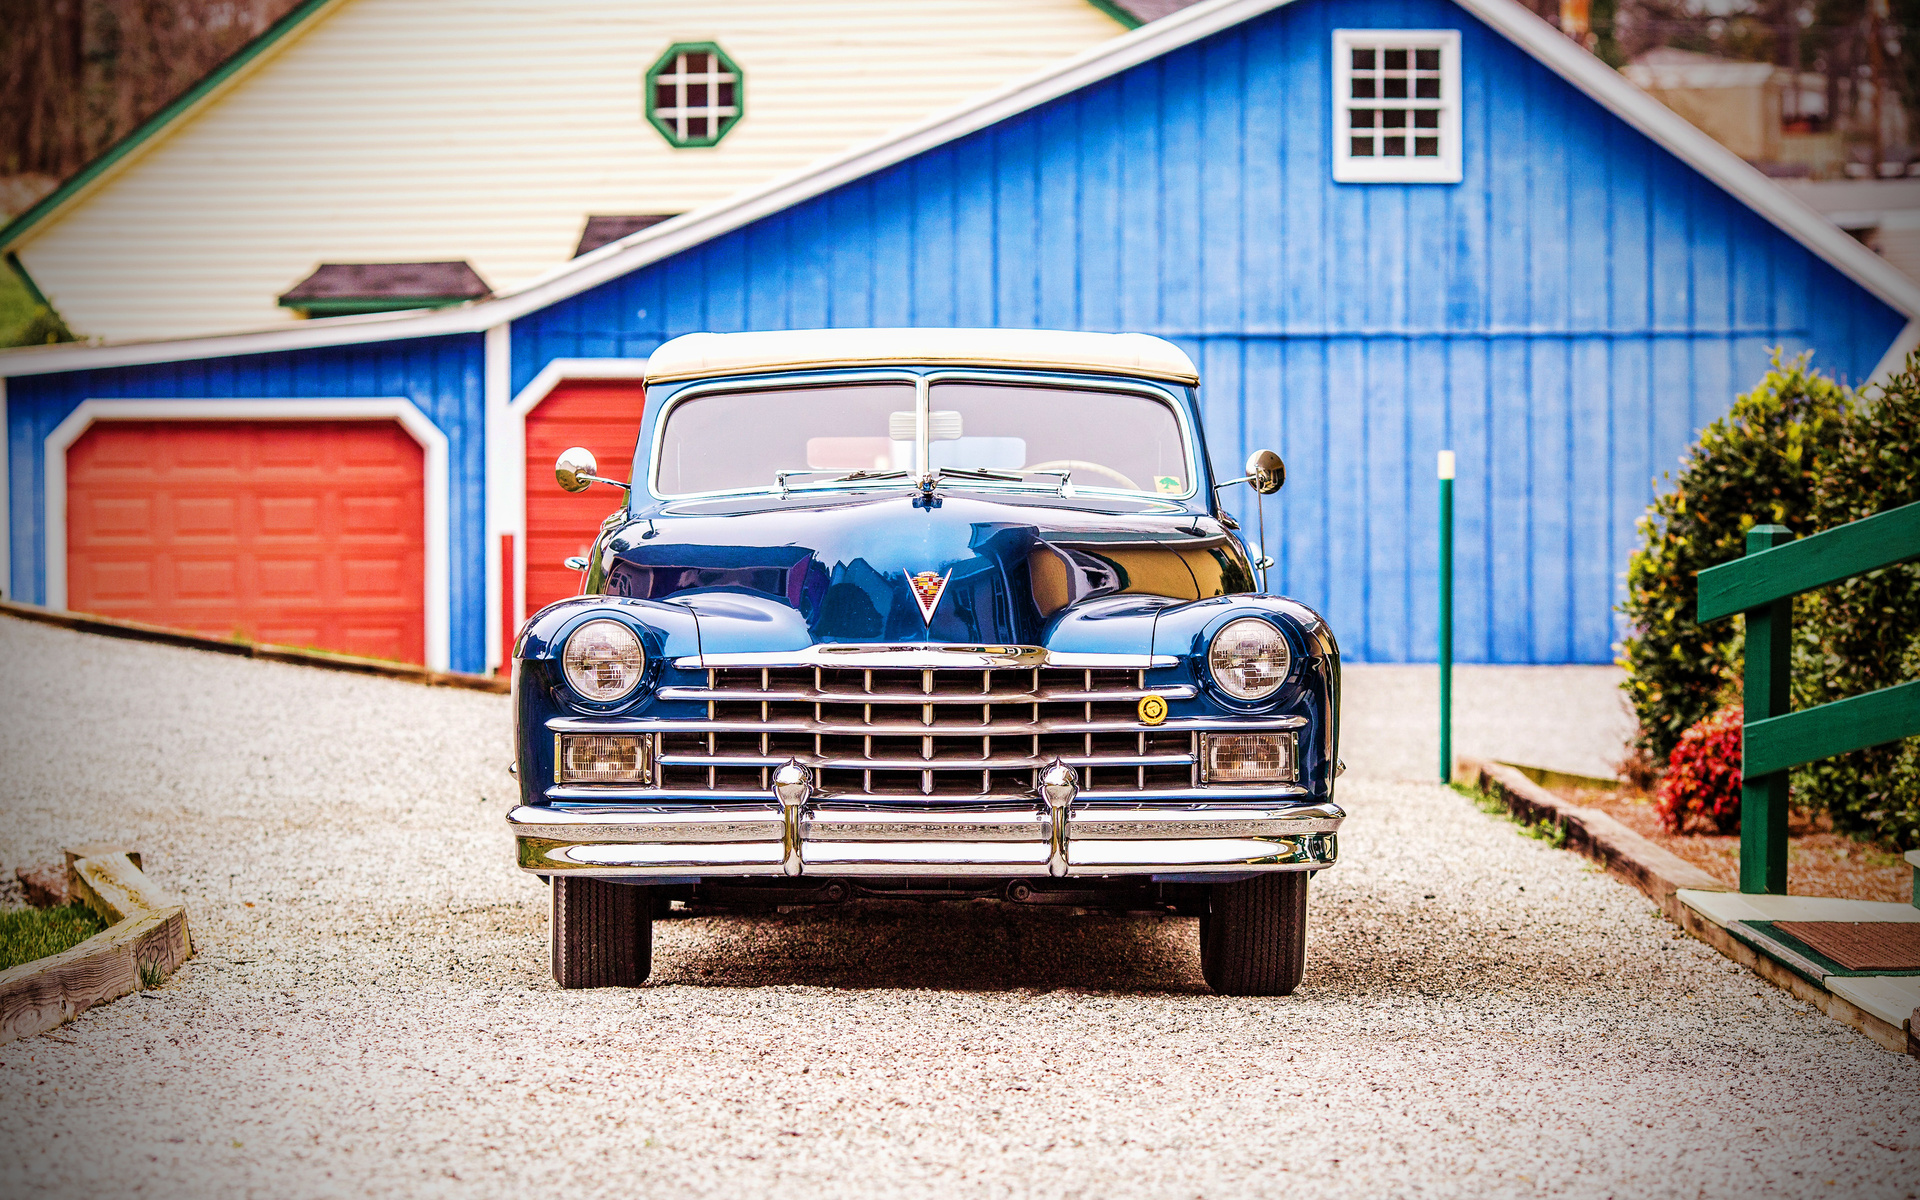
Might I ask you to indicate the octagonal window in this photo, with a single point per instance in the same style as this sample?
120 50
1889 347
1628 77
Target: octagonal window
694 94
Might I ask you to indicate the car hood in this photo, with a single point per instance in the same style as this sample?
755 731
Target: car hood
766 571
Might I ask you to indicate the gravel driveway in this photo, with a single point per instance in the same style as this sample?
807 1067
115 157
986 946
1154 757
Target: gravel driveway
370 1012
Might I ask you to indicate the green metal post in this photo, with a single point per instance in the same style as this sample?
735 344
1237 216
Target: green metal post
1446 616
1763 800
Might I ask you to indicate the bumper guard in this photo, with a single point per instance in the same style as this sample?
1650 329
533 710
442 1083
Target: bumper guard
1055 834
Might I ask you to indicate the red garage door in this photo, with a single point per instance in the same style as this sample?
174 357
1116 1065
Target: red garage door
604 416
301 533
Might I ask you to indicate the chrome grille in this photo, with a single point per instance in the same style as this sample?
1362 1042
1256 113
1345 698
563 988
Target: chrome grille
926 731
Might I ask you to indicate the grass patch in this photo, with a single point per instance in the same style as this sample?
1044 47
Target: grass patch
1553 833
30 933
24 320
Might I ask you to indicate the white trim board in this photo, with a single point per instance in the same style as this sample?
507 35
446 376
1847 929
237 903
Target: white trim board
1543 42
498 361
433 446
1895 359
511 451
6 497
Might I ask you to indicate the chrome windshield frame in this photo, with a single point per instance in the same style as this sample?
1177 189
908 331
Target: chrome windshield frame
798 383
922 474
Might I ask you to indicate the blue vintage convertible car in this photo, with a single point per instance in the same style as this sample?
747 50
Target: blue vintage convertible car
926 613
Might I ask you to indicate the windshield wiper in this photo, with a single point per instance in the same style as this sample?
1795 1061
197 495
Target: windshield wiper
859 476
1065 486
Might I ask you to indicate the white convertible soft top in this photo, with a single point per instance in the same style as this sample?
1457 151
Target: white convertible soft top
697 355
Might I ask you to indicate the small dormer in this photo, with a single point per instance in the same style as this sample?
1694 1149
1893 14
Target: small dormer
350 289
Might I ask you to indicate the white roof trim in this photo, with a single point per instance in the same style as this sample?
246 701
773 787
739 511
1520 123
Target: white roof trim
1519 25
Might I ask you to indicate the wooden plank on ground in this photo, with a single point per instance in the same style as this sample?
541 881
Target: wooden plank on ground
146 941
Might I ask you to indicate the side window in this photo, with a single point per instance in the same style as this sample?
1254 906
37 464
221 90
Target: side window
695 94
1396 106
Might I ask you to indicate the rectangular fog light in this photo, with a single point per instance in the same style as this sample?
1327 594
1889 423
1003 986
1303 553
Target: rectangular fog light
1246 758
603 758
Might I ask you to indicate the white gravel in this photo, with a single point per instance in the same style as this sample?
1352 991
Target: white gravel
370 1014
1567 718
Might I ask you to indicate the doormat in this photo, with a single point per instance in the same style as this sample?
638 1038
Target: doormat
1882 947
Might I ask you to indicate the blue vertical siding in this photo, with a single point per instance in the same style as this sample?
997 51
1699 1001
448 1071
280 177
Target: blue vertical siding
443 377
1565 318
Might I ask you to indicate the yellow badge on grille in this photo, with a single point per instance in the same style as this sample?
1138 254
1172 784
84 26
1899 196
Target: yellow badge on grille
1153 710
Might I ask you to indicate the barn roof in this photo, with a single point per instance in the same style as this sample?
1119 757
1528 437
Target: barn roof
1516 23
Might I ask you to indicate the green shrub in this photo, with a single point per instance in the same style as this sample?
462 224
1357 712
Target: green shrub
1804 452
1864 634
1759 464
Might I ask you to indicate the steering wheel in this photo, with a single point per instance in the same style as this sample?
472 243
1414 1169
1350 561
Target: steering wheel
1081 464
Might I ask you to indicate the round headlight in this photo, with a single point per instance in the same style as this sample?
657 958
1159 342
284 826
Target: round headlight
1249 659
603 660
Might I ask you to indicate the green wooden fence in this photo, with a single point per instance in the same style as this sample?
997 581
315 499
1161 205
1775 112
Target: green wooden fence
1762 585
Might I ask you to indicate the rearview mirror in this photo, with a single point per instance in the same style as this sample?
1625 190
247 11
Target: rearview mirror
1266 472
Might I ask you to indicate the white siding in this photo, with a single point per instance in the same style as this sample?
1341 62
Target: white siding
486 130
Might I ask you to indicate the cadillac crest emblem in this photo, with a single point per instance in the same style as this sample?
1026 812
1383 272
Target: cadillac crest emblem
927 589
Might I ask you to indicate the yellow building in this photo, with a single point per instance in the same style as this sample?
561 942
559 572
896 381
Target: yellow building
432 133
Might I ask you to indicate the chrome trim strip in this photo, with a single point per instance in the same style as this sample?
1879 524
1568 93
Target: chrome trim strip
1302 852
1099 820
650 822
990 822
1006 762
922 655
1220 793
998 699
643 859
1218 724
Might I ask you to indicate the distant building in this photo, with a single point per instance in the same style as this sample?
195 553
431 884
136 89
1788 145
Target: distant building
1882 213
1774 118
380 133
1380 227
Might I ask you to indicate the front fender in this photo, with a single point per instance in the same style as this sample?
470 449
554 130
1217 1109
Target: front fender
1312 688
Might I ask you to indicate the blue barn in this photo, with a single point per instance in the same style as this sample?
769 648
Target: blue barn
1381 227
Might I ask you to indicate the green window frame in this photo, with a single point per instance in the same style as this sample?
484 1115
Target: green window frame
695 93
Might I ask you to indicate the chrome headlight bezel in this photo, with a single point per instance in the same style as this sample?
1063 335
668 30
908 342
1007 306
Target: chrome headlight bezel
620 650
1273 669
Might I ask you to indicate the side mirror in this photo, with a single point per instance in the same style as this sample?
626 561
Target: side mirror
1266 472
575 469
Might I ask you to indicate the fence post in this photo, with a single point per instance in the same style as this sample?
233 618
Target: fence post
1763 800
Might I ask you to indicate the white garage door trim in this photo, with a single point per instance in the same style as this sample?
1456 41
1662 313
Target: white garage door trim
510 451
433 445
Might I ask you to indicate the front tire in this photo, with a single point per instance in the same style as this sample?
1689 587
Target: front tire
1253 939
602 933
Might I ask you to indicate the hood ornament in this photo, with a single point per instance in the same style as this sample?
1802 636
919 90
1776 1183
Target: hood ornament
927 588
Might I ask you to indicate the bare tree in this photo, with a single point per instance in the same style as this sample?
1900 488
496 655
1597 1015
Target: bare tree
76 75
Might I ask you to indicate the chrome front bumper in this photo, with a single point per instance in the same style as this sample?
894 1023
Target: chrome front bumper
1055 835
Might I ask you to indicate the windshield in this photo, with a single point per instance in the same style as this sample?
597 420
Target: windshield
1119 440
996 434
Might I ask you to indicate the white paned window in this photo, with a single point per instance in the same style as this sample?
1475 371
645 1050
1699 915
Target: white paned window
1396 106
693 94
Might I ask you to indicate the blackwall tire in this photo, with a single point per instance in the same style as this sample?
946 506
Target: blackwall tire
602 933
1253 940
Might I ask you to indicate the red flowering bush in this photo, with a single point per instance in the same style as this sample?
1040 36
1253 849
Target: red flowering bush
1701 790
